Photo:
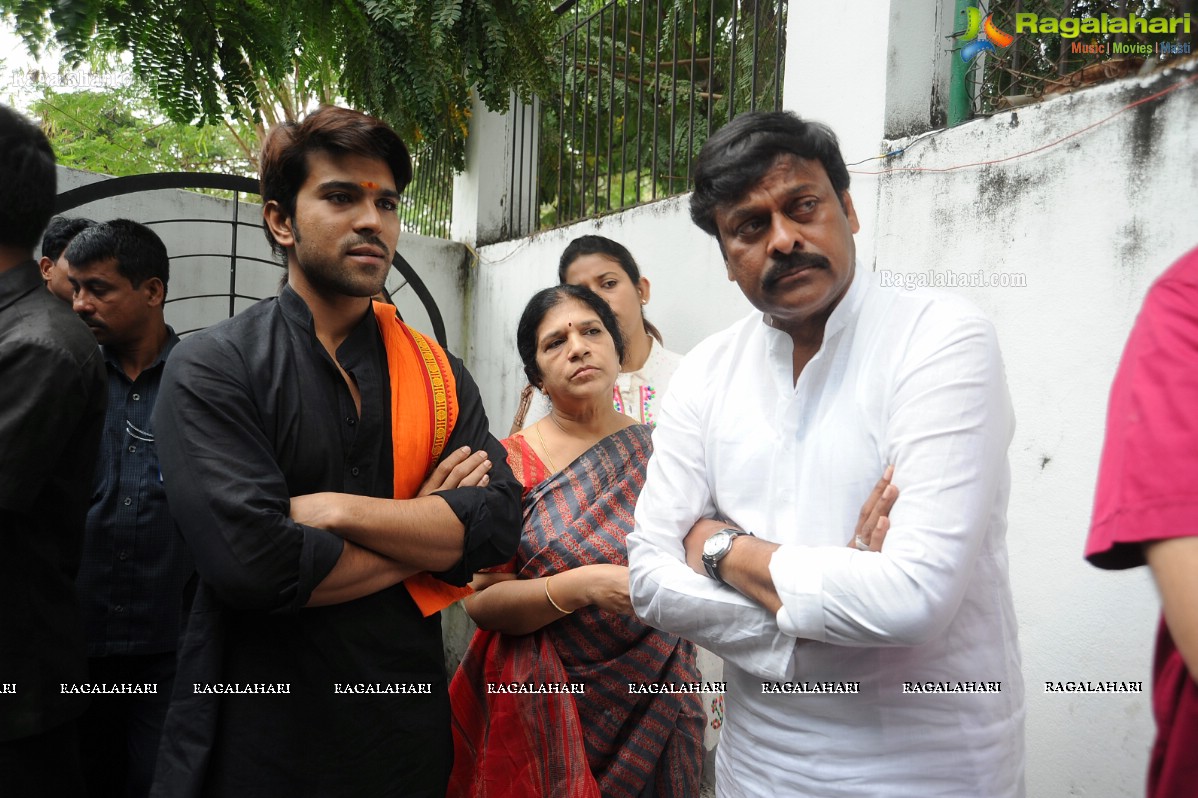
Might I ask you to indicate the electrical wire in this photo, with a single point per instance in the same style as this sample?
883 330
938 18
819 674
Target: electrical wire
1041 148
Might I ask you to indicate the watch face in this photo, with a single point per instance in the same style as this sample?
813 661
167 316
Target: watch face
716 544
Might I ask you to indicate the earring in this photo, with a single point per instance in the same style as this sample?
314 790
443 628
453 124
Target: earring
644 302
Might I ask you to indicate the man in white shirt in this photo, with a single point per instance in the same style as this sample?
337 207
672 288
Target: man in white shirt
851 671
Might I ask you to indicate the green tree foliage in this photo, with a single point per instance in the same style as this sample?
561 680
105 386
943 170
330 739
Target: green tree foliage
120 131
410 62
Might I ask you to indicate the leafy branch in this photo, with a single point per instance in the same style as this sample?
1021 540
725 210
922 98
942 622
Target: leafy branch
409 62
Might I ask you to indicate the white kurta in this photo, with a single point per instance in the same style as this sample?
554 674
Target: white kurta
910 378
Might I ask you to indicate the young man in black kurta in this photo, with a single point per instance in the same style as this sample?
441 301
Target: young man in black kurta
275 436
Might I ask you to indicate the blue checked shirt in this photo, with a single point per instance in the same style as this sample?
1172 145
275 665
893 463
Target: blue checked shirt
135 563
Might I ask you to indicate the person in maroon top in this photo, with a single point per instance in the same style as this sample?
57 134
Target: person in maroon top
1146 509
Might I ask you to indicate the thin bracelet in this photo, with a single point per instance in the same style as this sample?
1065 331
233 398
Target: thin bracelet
551 601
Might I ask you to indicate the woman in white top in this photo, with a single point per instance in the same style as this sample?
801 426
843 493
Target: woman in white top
608 268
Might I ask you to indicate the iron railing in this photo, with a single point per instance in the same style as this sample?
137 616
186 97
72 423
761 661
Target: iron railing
643 83
523 212
1036 64
427 203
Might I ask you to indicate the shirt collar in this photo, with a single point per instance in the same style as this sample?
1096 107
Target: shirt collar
781 348
171 339
849 307
296 309
19 281
358 341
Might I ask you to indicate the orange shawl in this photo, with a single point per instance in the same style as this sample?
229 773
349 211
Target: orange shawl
421 422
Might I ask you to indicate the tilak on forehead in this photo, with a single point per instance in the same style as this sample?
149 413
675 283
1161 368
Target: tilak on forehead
368 185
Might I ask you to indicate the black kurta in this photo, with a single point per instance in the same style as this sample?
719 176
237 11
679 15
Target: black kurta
253 411
51 416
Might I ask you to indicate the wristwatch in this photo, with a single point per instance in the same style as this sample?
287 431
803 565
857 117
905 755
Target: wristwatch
717 547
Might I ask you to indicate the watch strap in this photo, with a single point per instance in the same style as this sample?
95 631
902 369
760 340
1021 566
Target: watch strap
711 564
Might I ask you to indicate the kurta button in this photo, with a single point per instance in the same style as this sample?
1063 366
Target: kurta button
124 555
128 500
354 471
132 449
137 397
119 608
351 421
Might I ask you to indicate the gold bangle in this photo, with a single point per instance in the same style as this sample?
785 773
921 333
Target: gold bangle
551 601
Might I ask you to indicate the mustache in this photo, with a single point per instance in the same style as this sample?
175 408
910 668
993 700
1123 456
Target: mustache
782 266
372 241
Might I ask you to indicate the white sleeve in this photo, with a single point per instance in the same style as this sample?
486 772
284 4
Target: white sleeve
949 427
666 593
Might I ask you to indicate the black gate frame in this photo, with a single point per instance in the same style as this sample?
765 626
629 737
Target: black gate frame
134 184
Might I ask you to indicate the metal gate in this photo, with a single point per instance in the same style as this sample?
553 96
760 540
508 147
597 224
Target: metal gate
119 186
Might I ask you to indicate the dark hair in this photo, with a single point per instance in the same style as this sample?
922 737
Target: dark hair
28 182
739 154
138 251
601 245
60 232
546 300
283 164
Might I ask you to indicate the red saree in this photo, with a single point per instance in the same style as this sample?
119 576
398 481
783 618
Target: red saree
606 741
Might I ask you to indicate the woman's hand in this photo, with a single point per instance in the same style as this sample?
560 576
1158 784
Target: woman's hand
458 469
522 606
607 588
874 521
604 586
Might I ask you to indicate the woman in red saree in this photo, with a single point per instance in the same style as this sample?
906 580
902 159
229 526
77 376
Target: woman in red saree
560 621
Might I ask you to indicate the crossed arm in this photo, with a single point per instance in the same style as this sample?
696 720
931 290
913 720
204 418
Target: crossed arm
374 557
464 517
746 566
230 498
947 430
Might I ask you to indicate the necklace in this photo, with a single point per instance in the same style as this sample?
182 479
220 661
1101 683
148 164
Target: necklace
541 437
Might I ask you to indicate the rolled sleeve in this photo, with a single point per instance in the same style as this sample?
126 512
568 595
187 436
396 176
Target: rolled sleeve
799 585
225 488
490 515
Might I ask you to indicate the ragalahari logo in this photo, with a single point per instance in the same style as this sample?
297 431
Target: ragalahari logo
981 36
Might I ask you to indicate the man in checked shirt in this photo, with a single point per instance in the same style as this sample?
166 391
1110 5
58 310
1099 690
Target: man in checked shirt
135 563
